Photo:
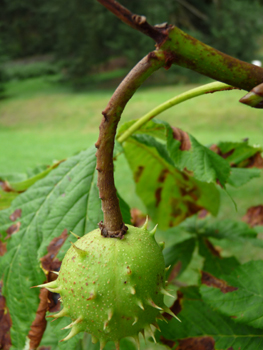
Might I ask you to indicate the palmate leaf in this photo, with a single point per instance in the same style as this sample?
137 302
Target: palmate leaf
57 330
155 127
200 322
223 229
66 199
6 198
240 176
180 253
205 164
169 195
78 208
20 183
245 302
54 333
237 152
213 262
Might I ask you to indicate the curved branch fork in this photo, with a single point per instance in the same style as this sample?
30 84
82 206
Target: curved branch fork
157 33
113 225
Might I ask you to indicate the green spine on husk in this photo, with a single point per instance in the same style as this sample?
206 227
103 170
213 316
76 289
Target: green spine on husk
112 288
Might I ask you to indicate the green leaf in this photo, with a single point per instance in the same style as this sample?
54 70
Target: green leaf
76 207
169 194
240 176
237 151
29 179
6 198
155 128
199 320
180 253
65 199
213 262
13 177
223 229
125 210
5 221
244 303
60 333
206 165
150 141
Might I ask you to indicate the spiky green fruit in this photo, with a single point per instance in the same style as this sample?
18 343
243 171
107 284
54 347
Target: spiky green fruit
112 288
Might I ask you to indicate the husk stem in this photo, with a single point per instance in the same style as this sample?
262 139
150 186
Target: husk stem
113 225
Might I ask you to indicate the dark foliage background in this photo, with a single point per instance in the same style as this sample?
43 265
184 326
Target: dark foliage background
81 35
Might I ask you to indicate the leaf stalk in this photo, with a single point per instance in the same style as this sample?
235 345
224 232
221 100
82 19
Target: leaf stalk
201 90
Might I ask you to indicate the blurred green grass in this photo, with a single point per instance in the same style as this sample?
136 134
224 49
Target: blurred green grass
42 120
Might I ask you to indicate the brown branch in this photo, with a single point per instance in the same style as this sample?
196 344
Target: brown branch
186 51
157 33
113 225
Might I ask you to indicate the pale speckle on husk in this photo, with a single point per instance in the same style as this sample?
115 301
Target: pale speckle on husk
112 288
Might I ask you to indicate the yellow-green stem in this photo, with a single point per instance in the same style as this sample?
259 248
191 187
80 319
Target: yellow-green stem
201 90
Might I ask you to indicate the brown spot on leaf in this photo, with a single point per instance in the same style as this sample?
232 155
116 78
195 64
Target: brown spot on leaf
175 210
254 216
212 281
138 173
202 214
137 217
183 137
13 229
5 186
171 223
192 208
192 192
176 307
256 161
175 271
212 249
198 343
2 248
158 193
53 250
167 342
217 150
15 215
163 175
48 300
184 175
5 323
38 326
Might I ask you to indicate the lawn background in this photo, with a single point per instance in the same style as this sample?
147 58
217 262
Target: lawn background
42 120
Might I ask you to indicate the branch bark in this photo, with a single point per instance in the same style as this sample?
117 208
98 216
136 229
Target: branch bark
157 33
113 225
186 51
